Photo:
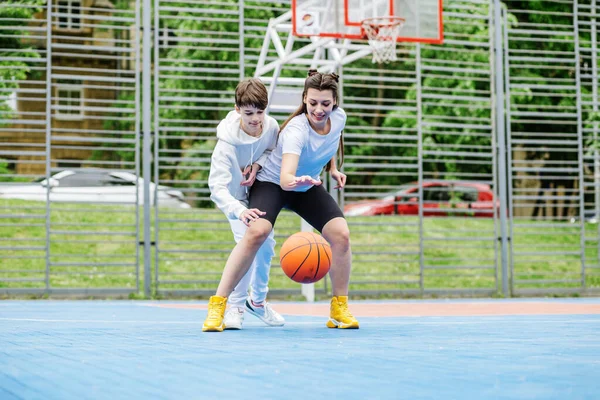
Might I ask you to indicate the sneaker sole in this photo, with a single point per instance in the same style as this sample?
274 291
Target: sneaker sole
251 311
332 323
232 328
212 328
263 320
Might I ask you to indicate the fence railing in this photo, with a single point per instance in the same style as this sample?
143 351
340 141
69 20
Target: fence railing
508 104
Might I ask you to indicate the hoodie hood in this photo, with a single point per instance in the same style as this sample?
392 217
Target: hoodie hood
229 130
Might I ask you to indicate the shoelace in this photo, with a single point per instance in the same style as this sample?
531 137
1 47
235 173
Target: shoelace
273 315
215 312
268 311
344 310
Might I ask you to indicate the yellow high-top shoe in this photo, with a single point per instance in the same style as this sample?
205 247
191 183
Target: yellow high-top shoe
339 315
216 312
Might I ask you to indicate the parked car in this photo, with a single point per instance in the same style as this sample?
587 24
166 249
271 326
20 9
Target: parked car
590 217
440 198
93 186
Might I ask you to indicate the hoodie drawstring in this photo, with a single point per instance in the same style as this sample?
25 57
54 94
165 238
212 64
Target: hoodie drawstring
249 162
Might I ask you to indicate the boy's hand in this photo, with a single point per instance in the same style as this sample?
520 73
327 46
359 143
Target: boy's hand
340 178
303 181
250 215
250 174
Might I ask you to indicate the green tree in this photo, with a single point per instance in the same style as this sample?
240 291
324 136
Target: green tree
15 15
465 80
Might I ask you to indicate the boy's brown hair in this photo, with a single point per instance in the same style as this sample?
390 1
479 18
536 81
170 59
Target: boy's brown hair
251 93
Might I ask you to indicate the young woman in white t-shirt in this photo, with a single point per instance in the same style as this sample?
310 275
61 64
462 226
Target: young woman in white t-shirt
308 142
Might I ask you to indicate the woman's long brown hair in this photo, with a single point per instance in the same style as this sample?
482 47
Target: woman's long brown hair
320 82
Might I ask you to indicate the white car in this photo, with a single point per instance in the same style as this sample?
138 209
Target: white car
94 186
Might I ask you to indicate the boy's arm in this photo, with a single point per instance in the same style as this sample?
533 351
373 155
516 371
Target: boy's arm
263 158
251 171
218 181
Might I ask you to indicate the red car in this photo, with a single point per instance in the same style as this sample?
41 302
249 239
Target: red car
440 198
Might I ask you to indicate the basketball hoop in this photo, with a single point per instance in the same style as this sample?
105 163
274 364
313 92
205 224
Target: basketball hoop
382 33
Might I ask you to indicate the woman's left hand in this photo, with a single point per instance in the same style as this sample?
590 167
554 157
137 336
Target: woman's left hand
303 181
340 178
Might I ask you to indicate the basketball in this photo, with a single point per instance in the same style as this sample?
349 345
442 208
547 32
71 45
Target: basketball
305 257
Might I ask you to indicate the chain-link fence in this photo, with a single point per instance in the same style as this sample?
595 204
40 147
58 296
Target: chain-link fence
473 165
69 147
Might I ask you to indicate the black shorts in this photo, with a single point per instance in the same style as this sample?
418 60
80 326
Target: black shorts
316 206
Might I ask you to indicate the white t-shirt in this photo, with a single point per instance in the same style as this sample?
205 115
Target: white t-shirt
314 150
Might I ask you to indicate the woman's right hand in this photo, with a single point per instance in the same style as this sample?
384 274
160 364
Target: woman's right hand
303 181
250 215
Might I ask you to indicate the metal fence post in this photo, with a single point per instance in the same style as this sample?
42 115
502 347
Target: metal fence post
48 133
307 289
595 126
242 48
157 136
138 116
146 126
420 165
507 129
580 144
501 137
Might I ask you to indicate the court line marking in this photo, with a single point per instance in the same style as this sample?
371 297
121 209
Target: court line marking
99 321
366 322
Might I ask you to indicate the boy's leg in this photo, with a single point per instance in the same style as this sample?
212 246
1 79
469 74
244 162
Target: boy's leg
234 316
261 268
256 303
237 265
266 197
237 298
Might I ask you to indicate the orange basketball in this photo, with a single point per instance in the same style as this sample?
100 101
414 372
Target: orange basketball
305 257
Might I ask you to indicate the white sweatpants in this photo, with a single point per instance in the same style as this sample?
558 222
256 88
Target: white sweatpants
257 277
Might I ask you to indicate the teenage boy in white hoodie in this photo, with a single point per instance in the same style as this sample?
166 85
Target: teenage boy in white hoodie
246 137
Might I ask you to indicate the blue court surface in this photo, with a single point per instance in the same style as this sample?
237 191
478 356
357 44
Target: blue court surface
156 350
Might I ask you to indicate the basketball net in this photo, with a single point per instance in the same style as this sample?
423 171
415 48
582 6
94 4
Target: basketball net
382 32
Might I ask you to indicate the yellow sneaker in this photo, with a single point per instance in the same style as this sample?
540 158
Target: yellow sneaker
216 312
339 315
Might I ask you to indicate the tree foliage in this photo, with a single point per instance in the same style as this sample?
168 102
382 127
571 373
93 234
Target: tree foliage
199 57
15 15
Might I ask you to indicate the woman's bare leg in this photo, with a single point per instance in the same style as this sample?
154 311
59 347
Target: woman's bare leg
336 232
241 256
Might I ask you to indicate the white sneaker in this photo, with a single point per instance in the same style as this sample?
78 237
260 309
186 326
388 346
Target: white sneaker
265 313
234 317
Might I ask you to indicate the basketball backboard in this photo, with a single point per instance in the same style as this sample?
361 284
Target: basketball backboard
342 18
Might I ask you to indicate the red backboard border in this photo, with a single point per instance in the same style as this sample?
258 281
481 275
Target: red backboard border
438 40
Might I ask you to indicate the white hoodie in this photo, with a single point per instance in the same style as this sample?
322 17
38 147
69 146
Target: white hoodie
235 150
